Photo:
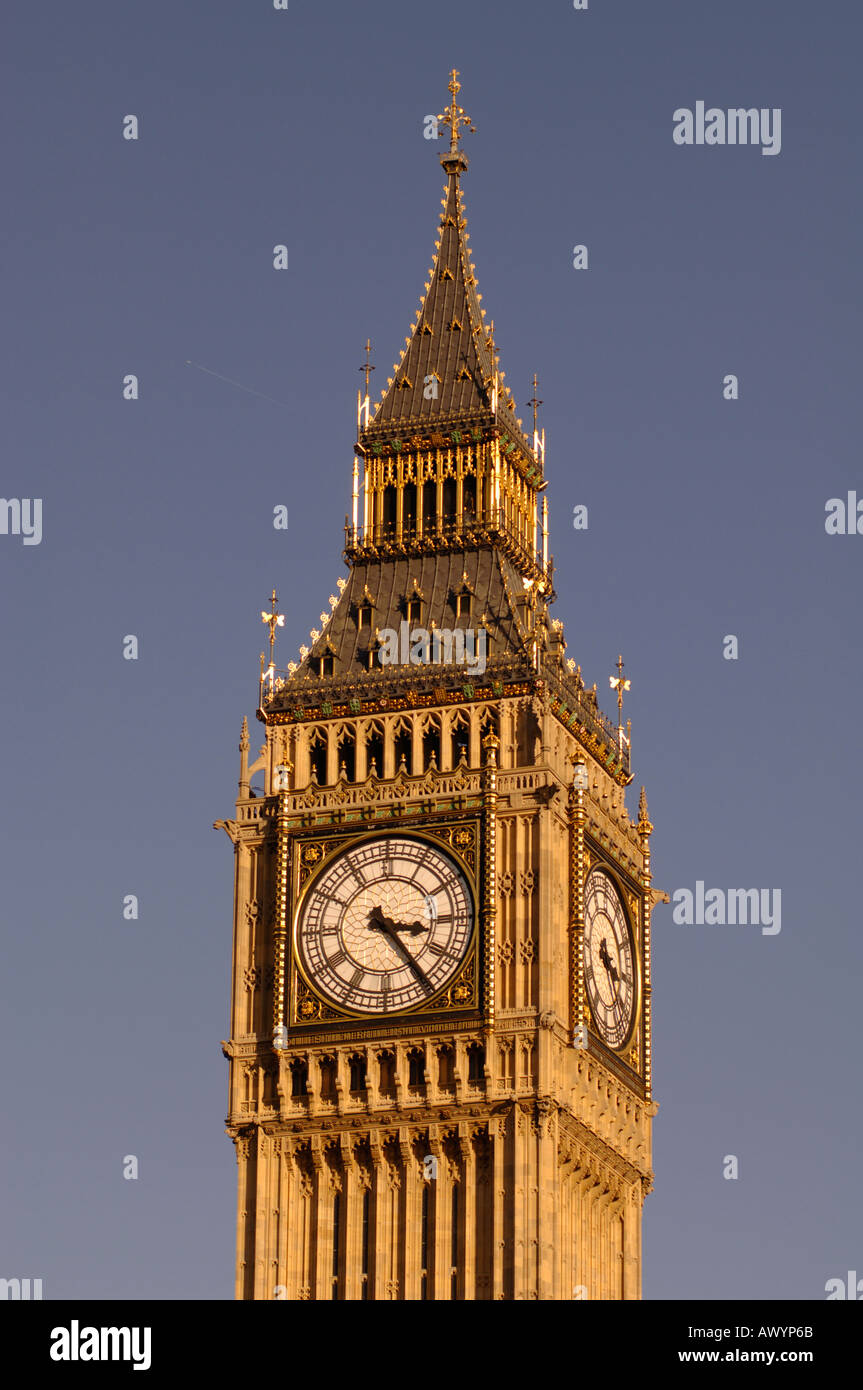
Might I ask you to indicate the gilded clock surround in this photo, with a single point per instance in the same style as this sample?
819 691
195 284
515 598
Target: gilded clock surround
628 907
486 1144
460 840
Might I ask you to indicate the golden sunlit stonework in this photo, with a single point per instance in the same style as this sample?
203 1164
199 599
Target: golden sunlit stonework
440 1079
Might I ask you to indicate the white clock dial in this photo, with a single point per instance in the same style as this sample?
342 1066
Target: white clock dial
609 961
386 925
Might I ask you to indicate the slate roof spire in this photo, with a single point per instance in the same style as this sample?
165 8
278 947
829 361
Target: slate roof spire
448 369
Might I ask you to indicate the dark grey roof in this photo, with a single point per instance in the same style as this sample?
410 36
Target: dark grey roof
494 582
449 340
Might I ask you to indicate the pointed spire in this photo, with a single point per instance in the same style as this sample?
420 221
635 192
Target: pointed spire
448 369
446 366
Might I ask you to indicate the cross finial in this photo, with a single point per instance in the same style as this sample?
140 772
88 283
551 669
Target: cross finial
620 685
367 365
534 401
455 118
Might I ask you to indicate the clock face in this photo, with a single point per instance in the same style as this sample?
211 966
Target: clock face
609 960
386 925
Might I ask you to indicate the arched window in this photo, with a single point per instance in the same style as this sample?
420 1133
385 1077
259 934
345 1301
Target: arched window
416 1067
446 1064
328 1078
429 505
403 748
375 751
475 1062
449 499
431 745
460 740
469 499
409 507
318 758
389 509
347 755
388 1074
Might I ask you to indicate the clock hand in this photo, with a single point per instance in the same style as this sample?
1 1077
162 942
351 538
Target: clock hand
607 962
378 922
383 923
415 928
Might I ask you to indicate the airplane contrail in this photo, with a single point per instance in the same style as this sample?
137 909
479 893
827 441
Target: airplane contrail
231 382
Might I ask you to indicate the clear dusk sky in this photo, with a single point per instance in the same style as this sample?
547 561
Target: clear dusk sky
706 519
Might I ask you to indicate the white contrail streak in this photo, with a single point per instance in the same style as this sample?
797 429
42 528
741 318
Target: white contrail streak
231 382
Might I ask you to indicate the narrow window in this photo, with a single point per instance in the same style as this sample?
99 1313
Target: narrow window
416 1074
475 1063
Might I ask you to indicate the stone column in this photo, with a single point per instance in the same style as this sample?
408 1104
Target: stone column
467 1215
352 1223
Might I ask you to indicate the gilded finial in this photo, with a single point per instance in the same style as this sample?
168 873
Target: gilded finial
456 160
273 619
534 402
619 684
644 825
367 367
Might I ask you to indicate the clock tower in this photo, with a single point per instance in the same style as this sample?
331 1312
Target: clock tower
440 1080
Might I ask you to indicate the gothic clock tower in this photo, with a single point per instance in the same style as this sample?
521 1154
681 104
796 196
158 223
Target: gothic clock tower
440 1022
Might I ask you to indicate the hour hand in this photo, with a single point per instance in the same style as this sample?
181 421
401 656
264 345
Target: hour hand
380 922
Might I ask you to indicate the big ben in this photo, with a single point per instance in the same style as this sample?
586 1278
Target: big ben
440 1050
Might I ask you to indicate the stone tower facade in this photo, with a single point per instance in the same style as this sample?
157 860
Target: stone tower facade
440 1079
